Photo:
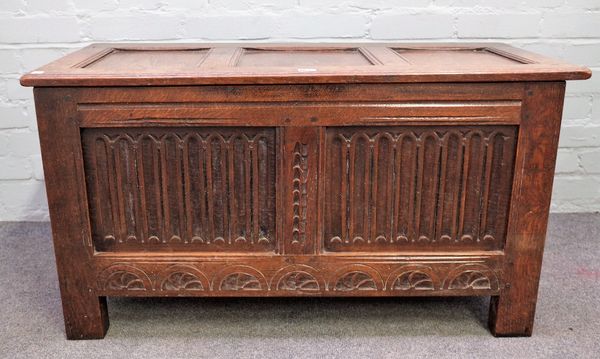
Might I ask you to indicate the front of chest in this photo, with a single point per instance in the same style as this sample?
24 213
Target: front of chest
313 175
346 171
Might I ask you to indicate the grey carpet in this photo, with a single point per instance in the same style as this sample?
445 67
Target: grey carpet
567 320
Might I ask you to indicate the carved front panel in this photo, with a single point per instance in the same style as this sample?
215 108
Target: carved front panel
181 188
299 169
324 275
397 188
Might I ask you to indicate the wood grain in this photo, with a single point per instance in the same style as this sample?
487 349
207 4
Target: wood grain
191 64
85 311
405 188
182 189
223 170
512 312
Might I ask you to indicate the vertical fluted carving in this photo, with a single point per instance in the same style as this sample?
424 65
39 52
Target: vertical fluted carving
185 187
417 186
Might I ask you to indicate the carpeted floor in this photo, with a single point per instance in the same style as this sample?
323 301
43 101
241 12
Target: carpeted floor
567 320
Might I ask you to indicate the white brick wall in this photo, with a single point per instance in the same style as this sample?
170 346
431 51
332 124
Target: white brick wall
34 32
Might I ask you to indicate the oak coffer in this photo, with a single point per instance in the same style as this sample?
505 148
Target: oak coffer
278 170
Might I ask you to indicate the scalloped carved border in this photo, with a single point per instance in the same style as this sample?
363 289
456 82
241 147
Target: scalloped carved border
182 277
413 277
356 277
300 278
239 277
471 277
124 277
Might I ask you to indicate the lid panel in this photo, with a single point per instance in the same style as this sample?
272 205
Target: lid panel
239 64
476 57
302 57
147 60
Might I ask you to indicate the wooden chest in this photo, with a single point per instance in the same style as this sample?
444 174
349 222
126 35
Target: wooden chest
267 170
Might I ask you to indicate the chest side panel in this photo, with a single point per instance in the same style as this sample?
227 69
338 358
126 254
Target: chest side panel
181 188
417 187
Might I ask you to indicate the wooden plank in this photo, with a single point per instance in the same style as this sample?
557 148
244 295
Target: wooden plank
300 150
298 114
242 276
512 312
187 64
85 312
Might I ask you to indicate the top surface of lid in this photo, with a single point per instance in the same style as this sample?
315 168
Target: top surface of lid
205 64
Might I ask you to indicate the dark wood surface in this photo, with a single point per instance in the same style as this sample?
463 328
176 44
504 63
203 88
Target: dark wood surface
186 64
255 185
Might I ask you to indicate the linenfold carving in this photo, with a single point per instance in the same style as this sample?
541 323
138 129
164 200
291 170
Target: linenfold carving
196 187
417 186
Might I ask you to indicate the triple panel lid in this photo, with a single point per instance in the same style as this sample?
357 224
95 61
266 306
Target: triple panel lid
205 64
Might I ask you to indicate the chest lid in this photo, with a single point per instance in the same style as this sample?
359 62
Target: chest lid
232 64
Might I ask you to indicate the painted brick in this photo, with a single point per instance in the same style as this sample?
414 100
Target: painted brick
306 26
95 5
498 25
142 5
576 187
406 26
186 5
590 160
37 167
580 54
579 24
9 63
45 6
29 116
14 168
370 5
14 90
31 59
386 4
230 27
3 90
252 4
574 205
134 27
584 4
596 110
583 54
13 117
39 29
19 143
577 107
551 50
580 136
567 161
501 4
23 200
12 5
